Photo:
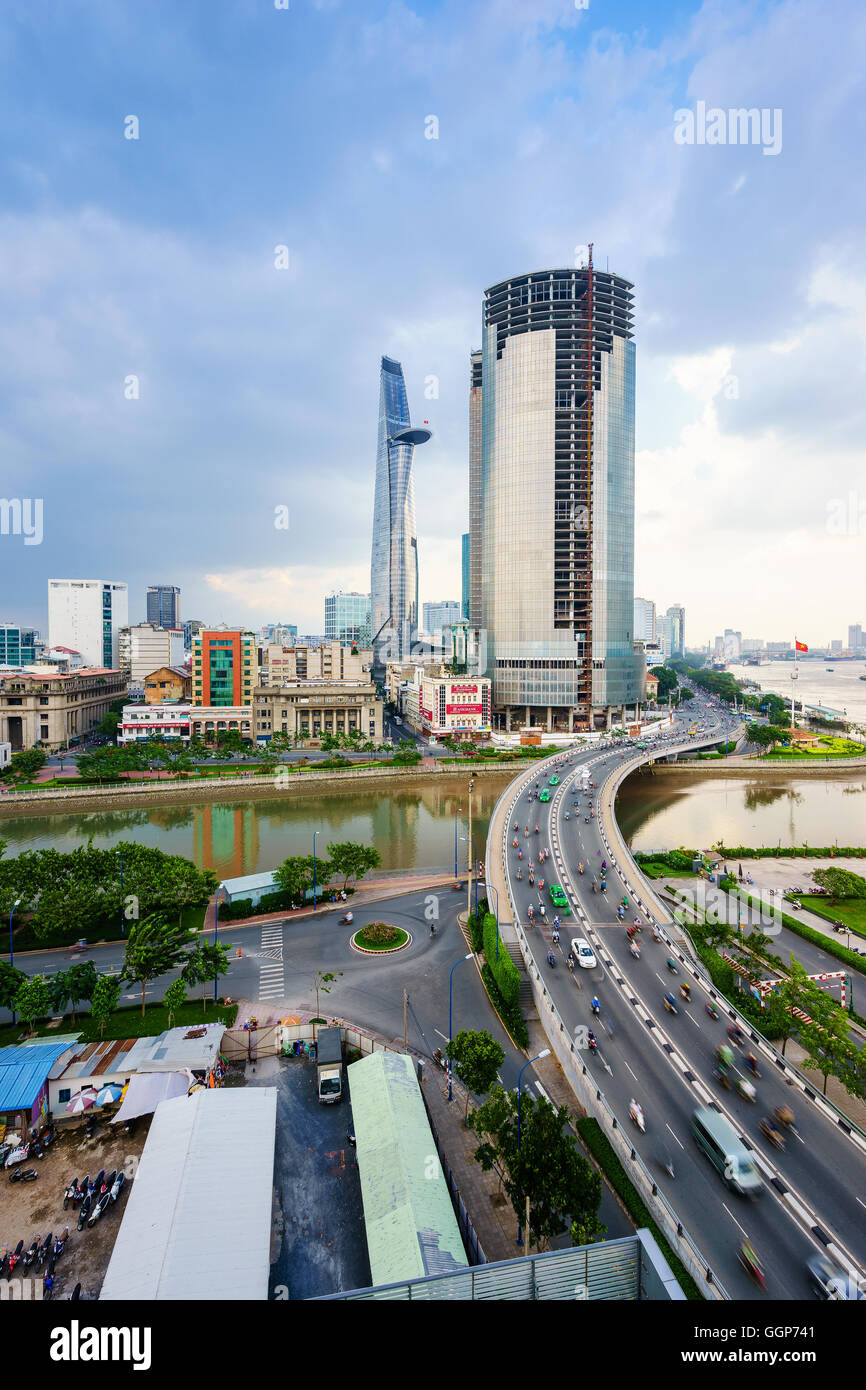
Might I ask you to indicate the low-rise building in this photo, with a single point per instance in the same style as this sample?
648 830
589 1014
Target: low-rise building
206 721
310 708
168 720
144 646
54 710
168 683
332 661
652 688
446 706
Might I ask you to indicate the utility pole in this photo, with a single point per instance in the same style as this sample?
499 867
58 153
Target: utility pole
470 853
405 1001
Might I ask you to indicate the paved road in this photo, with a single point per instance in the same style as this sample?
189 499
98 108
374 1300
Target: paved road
821 1166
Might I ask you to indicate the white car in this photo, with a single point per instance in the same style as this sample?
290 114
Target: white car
583 953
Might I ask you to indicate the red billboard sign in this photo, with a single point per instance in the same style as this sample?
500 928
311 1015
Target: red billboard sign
462 709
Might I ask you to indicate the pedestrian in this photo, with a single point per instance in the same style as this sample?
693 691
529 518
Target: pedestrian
343 894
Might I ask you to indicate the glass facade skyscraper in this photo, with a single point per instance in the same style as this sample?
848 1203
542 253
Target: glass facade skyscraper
394 564
347 618
464 575
163 605
557 465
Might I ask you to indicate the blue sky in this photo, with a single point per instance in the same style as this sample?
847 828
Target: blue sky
305 128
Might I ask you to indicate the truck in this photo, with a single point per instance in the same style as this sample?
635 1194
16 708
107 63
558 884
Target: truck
329 1066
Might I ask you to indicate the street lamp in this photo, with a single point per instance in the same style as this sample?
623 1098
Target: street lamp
315 833
470 844
220 889
11 951
544 1053
450 1017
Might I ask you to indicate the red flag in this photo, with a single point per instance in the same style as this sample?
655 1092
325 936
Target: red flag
800 646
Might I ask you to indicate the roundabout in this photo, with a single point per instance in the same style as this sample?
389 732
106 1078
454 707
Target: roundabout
380 939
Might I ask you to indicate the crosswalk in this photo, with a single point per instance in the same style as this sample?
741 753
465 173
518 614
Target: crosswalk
272 983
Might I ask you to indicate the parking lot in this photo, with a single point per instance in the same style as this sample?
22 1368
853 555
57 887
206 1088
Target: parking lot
28 1209
319 1242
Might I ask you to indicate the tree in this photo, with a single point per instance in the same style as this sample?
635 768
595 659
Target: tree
24 765
33 1000
840 883
825 1036
667 679
477 1057
174 998
106 993
407 754
11 980
295 875
562 1188
153 948
352 860
73 985
323 983
207 961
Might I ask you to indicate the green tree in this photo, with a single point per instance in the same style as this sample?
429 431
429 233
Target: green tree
295 875
352 860
153 948
407 754
73 985
825 1035
24 766
323 983
33 1000
840 883
547 1168
174 998
11 980
477 1057
205 962
106 993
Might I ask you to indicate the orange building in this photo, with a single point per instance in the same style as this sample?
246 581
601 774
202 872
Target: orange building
223 667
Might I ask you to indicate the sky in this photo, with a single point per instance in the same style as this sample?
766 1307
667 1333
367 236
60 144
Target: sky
191 321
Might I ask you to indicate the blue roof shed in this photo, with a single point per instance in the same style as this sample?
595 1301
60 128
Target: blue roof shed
24 1071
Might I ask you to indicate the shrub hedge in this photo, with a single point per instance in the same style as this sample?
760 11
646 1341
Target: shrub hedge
504 971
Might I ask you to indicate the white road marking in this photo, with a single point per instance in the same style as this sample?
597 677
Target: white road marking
691 1020
630 1070
541 1090
735 1221
673 1136
442 1035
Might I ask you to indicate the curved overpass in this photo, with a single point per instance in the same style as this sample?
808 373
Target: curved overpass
665 1062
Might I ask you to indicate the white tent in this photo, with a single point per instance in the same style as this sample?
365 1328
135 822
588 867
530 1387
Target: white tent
192 1228
145 1092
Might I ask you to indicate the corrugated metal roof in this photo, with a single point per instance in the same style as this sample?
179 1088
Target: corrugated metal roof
105 1058
24 1071
195 1225
196 1047
410 1222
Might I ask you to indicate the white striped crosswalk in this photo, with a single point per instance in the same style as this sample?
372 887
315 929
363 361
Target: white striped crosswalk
271 976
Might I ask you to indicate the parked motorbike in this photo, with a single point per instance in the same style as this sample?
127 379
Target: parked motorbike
60 1244
42 1253
117 1186
17 1155
76 1294
4 1260
82 1191
98 1210
71 1193
14 1258
30 1255
24 1175
84 1212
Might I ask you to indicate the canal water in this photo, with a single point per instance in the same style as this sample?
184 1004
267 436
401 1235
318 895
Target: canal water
411 826
694 811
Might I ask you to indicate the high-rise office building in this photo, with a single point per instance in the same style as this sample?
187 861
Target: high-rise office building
86 615
347 618
143 648
476 488
224 667
17 645
677 616
464 575
558 498
394 562
439 616
856 640
644 620
163 605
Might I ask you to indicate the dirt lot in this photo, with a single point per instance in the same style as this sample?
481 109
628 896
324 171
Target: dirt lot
28 1208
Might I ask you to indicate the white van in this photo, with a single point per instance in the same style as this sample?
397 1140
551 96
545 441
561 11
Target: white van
716 1138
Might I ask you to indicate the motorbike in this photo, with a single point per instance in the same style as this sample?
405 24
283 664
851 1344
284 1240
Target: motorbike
775 1136
551 960
596 1008
347 919
14 1259
580 866
108 1183
592 1042
117 1186
82 1191
635 950
17 1155
685 993
76 1294
752 1266
711 1010
672 967
43 1249
735 1034
60 1243
71 1193
24 1175
720 1074
84 1211
520 873
4 1260
636 1116
100 1206
668 1164
594 886
30 1255
670 1005
785 1115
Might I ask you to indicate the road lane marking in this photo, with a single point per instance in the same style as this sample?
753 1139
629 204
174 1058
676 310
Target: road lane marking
670 1131
735 1221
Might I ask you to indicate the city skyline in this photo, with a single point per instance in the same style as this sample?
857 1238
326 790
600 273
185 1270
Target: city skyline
168 346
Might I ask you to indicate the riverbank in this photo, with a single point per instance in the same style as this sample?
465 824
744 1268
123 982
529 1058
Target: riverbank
279 785
748 767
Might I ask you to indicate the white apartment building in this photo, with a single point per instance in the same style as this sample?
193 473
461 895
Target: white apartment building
154 721
443 705
333 661
87 615
644 620
144 648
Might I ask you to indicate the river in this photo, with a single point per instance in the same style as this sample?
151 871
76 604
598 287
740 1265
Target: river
838 688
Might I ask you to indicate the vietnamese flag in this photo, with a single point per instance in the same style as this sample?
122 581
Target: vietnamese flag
800 646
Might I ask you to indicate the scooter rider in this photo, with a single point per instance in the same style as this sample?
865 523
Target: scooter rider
595 1006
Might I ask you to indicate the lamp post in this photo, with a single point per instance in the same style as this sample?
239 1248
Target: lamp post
544 1053
315 833
470 849
450 1017
220 889
11 951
